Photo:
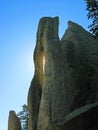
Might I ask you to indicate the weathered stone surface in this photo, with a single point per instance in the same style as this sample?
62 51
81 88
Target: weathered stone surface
13 121
85 118
68 82
43 35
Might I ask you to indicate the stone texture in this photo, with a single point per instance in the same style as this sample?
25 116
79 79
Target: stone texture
85 118
35 90
13 121
68 82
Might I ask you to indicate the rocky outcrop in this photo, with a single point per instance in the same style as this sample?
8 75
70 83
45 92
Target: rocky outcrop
13 121
37 83
67 84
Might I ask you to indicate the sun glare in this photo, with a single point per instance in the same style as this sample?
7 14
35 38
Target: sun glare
44 64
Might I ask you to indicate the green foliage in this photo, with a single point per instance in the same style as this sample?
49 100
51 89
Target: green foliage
23 116
92 7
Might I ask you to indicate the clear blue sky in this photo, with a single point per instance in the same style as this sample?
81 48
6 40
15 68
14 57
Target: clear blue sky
18 25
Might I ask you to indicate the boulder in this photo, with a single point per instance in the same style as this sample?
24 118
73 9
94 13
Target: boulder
13 121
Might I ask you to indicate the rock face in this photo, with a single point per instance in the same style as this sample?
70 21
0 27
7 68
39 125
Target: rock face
64 90
13 121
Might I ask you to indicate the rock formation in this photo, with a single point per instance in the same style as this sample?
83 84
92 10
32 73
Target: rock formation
13 121
64 90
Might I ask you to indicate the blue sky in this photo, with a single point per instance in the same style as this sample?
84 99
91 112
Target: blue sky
18 25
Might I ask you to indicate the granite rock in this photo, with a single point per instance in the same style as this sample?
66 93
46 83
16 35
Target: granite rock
67 81
13 121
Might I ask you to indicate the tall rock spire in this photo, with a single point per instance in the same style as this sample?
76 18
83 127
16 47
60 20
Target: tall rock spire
13 121
47 35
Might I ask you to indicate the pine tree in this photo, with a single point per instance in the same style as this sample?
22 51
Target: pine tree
23 116
92 7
